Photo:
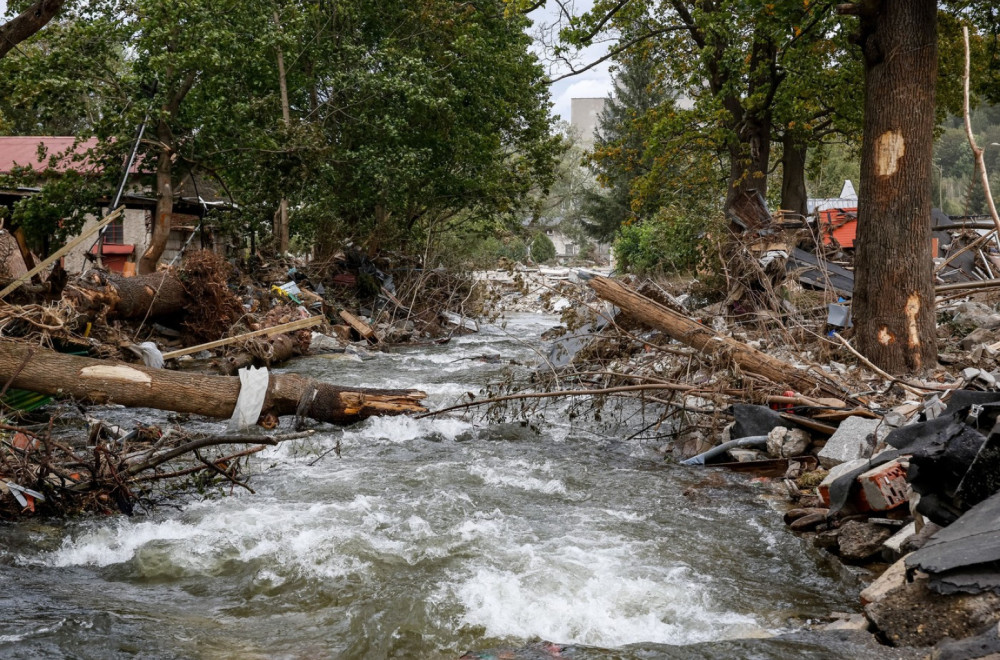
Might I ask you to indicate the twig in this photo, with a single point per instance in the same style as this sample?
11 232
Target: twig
865 361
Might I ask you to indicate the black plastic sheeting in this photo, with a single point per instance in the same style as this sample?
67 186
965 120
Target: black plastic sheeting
964 557
751 420
954 459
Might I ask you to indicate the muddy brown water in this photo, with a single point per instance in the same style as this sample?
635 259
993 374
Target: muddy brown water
429 539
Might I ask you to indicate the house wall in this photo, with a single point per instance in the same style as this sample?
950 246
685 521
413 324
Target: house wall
133 229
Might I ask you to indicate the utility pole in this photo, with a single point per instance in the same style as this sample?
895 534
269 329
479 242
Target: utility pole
281 220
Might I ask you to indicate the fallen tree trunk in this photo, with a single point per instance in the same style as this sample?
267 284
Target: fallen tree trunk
109 381
703 338
156 294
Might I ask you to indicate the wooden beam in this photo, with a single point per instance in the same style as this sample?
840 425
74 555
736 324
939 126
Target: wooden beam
48 261
363 328
266 332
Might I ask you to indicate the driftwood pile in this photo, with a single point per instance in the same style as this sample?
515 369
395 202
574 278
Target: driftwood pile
104 338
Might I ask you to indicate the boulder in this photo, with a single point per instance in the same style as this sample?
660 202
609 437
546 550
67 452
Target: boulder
786 443
855 438
977 315
978 337
913 615
860 541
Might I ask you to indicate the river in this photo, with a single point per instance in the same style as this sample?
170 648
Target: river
431 538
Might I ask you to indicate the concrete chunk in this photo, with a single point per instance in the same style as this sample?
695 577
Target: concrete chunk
855 438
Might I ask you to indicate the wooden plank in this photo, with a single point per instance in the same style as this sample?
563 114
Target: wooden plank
363 328
48 261
266 332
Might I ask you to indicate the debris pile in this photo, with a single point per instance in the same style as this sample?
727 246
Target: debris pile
110 338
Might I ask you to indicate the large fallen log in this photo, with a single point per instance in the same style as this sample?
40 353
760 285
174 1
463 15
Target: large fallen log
703 338
108 381
153 295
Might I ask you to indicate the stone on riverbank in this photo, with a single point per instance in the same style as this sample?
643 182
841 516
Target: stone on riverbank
855 438
860 541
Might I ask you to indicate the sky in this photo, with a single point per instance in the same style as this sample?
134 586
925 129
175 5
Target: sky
593 83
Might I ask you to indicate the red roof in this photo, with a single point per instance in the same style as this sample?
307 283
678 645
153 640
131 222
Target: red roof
23 152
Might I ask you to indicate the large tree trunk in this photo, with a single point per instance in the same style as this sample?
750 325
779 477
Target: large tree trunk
748 159
893 288
153 295
703 338
164 203
793 175
108 381
27 23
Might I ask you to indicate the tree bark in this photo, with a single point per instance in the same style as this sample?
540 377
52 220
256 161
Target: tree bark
703 338
893 289
108 381
27 23
155 294
164 203
793 175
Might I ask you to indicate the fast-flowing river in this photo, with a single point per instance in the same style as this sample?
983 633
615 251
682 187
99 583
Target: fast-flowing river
429 539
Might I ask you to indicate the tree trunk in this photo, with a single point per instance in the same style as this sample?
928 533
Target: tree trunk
281 219
27 23
893 288
155 294
164 203
107 381
703 338
793 175
748 160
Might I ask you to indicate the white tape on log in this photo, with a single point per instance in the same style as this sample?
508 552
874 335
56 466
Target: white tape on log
253 389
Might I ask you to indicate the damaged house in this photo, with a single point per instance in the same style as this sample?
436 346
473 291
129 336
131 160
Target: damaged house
127 237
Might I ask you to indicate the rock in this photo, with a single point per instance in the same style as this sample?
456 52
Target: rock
744 455
851 622
978 337
786 443
913 615
893 578
321 343
855 438
794 514
977 315
826 540
805 523
859 541
984 645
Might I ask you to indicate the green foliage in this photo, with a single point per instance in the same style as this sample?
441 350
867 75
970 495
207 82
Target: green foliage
672 241
542 249
405 117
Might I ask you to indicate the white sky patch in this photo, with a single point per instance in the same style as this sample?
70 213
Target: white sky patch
593 83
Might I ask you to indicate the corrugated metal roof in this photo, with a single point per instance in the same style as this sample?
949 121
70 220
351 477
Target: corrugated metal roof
23 152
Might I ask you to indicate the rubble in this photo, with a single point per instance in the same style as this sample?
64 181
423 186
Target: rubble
855 438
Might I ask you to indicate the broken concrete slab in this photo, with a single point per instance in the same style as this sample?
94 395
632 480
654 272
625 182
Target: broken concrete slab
897 541
978 337
893 578
855 438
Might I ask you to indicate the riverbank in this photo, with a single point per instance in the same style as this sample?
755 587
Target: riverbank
847 466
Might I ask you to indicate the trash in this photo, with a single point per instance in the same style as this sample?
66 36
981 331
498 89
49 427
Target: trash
253 390
751 441
839 315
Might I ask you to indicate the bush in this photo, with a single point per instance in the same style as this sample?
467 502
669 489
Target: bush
542 249
671 241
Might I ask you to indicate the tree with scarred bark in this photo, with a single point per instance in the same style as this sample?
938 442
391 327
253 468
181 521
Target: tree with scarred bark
893 303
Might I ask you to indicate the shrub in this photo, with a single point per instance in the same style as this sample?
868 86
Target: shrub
542 249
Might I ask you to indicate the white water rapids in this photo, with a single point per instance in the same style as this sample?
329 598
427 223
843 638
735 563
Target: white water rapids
428 539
